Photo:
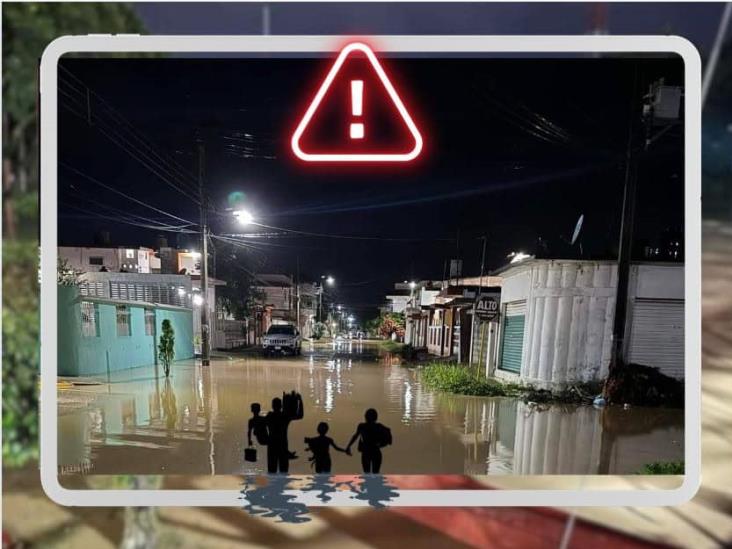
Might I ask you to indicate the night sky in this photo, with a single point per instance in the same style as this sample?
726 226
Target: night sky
515 149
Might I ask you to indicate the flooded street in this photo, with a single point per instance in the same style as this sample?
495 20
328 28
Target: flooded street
196 422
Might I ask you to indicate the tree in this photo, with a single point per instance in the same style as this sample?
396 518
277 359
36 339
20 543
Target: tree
319 330
27 30
240 295
166 347
67 275
387 324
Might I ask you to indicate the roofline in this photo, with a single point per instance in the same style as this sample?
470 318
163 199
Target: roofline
534 260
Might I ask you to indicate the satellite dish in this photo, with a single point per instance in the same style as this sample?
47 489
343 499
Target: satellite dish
577 228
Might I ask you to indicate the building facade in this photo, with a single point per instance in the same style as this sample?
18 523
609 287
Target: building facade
284 301
98 335
556 320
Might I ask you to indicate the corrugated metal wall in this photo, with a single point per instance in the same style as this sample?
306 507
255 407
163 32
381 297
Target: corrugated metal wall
657 335
571 307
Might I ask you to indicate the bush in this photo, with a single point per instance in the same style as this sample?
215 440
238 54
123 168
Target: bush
20 352
461 380
641 385
663 468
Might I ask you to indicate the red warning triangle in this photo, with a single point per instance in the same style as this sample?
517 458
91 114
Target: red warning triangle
356 115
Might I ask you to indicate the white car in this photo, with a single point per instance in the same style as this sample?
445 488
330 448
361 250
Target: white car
282 338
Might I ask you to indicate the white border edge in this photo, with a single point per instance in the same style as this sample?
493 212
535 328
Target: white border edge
513 44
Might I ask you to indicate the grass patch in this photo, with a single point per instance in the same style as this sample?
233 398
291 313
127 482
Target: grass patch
391 346
461 380
663 468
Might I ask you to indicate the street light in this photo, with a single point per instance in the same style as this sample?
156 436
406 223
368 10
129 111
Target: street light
412 285
330 281
244 217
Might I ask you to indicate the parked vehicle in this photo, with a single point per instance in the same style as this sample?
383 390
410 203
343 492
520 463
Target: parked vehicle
282 338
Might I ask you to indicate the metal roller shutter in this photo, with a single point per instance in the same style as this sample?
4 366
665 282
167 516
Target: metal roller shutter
657 335
512 341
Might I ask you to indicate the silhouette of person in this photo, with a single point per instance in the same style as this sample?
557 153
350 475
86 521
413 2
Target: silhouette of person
278 420
257 425
373 437
320 447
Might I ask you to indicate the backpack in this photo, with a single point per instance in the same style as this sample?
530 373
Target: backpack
385 436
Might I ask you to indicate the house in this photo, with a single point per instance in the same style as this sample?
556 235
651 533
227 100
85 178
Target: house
556 320
285 301
417 312
113 259
116 327
450 316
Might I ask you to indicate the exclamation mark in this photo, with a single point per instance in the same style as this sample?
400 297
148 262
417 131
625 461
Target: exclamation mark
357 130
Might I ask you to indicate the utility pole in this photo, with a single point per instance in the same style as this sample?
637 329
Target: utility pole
626 231
297 282
205 342
484 238
660 107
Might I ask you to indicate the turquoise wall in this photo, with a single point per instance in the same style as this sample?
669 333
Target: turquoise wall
86 356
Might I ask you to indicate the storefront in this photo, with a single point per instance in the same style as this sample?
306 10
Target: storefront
557 320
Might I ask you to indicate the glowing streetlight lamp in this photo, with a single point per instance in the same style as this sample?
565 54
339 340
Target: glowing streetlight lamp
244 217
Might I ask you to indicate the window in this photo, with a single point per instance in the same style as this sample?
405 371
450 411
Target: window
89 316
123 321
96 260
130 254
149 322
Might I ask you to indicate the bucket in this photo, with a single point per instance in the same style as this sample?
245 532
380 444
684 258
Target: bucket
250 454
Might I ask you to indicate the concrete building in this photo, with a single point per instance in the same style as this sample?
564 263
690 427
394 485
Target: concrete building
450 316
416 313
285 301
99 334
167 289
556 320
119 259
397 303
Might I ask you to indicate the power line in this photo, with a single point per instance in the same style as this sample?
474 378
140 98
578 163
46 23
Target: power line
152 160
351 237
124 213
172 164
127 221
121 143
112 189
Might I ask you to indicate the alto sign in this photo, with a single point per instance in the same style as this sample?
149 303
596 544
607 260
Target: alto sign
486 307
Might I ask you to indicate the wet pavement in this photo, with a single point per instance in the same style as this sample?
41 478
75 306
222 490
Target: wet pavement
195 422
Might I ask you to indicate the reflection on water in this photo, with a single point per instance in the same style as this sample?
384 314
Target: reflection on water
266 495
374 490
196 422
269 499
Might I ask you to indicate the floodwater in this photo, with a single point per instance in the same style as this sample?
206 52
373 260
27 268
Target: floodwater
195 422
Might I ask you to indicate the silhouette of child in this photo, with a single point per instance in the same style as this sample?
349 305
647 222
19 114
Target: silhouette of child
258 425
320 447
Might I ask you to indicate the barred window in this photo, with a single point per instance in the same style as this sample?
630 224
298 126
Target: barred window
89 319
124 327
150 322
